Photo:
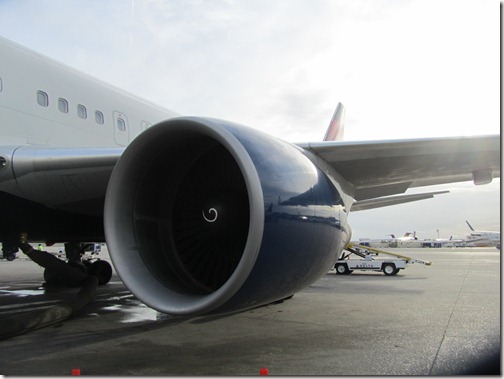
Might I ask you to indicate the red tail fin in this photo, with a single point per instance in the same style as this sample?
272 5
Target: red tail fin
337 125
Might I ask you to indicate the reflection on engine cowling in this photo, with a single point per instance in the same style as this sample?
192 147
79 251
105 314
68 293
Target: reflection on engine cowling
204 216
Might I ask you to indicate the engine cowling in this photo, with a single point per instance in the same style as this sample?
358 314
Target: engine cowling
206 217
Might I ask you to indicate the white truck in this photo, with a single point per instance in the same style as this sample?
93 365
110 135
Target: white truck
368 262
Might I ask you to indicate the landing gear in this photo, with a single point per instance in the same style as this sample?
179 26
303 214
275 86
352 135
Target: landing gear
75 253
9 249
102 270
10 257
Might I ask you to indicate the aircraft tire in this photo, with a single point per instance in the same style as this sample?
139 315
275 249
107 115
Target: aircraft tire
51 277
102 270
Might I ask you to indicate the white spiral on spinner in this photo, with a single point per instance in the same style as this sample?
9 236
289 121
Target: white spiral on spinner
211 210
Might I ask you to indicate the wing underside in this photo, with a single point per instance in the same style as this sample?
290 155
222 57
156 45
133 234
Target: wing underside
68 179
380 169
386 201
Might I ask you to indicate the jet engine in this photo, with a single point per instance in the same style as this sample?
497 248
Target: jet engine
203 216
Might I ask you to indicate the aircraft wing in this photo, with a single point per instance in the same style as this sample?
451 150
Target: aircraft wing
72 179
383 168
386 201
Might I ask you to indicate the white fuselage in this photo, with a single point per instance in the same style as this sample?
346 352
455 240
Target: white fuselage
483 237
45 103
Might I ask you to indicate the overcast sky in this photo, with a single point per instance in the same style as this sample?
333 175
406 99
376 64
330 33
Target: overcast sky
403 69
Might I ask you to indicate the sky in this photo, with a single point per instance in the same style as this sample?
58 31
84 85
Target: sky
402 69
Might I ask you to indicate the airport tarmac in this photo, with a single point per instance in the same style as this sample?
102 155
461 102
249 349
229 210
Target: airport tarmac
442 319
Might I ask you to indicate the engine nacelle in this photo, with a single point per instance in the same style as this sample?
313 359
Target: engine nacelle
206 217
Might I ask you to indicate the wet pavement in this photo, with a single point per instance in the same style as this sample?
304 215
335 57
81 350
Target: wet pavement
439 320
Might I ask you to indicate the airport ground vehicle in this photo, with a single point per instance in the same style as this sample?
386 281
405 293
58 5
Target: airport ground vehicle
368 262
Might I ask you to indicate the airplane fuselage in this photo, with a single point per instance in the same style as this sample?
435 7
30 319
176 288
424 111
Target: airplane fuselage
483 238
45 103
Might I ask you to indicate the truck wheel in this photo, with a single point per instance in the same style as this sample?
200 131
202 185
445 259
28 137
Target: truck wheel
389 269
342 269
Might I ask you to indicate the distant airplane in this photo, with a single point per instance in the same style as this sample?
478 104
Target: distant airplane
408 236
483 237
451 239
393 241
411 240
200 215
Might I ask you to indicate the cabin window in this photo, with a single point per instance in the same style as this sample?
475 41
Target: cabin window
42 99
62 105
121 135
100 120
121 124
81 111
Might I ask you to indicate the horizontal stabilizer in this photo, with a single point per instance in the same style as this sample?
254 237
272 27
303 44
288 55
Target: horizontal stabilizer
392 200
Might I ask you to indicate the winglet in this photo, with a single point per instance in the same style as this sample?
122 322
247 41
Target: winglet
337 125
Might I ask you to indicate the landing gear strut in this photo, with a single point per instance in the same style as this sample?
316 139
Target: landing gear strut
9 248
75 252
